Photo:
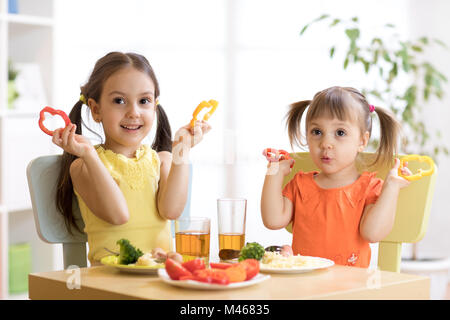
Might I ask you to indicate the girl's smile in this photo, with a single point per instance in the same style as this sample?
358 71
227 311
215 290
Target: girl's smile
126 109
131 127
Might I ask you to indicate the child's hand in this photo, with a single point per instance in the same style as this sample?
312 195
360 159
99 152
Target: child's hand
394 178
282 167
192 136
71 142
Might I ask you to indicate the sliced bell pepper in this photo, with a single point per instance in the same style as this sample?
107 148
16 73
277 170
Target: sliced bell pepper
54 112
210 104
420 172
274 155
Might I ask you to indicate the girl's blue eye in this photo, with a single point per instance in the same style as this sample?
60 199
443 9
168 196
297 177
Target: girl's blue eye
340 133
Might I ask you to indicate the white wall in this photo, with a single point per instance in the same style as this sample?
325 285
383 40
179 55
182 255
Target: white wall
430 18
245 53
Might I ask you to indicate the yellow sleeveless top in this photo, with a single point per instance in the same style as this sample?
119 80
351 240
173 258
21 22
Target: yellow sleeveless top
138 180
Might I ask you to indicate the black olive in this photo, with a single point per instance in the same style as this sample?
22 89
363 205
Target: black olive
273 249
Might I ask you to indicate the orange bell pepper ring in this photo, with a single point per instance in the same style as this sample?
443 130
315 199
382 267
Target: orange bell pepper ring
420 172
210 104
274 155
54 112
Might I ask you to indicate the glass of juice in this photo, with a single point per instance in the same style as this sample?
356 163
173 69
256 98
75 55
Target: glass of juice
231 214
192 238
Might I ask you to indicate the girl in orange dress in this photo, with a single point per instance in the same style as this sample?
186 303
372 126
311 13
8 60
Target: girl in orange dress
337 211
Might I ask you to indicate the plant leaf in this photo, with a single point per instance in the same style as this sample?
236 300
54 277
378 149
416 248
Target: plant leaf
332 51
335 22
441 43
353 33
424 40
346 63
304 29
324 16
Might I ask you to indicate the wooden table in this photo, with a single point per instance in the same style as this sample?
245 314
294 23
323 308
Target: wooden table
337 282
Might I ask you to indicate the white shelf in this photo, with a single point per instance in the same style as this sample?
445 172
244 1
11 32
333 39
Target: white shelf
35 21
20 113
25 38
20 207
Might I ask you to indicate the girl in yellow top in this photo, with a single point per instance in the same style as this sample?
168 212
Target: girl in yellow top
124 189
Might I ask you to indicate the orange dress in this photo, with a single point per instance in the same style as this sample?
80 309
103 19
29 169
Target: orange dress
325 222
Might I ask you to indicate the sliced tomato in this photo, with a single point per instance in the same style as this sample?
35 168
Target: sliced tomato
236 273
251 267
220 265
175 270
217 276
196 264
190 277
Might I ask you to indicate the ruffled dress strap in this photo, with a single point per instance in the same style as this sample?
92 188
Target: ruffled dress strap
132 171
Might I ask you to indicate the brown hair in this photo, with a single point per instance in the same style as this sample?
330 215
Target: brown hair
103 69
340 103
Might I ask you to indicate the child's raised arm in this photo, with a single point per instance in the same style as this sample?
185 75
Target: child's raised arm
90 178
378 219
276 210
174 173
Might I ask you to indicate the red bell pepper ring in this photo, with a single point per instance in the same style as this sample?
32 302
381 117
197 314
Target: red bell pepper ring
54 112
274 155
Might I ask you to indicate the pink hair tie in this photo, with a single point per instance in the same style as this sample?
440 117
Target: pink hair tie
371 108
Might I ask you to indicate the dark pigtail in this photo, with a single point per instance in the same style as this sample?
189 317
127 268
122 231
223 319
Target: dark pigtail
64 191
294 117
163 137
389 131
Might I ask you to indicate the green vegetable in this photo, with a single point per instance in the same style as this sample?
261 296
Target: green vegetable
128 253
252 250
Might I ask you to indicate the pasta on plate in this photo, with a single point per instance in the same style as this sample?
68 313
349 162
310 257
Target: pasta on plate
276 260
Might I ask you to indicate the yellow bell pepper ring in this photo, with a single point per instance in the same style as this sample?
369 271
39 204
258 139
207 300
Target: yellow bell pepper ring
420 172
210 104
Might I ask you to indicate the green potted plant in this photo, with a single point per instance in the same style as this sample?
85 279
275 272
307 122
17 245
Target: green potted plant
404 81
392 63
12 91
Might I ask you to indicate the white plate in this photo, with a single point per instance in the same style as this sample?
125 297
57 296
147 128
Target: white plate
112 261
323 263
192 284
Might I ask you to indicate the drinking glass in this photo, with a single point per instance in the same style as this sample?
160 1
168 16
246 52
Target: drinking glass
231 214
192 238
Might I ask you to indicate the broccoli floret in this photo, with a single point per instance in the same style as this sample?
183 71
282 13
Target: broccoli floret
128 253
252 250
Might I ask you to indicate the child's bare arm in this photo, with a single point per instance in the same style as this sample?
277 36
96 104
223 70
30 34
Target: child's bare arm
91 179
99 191
174 173
276 210
173 186
378 219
